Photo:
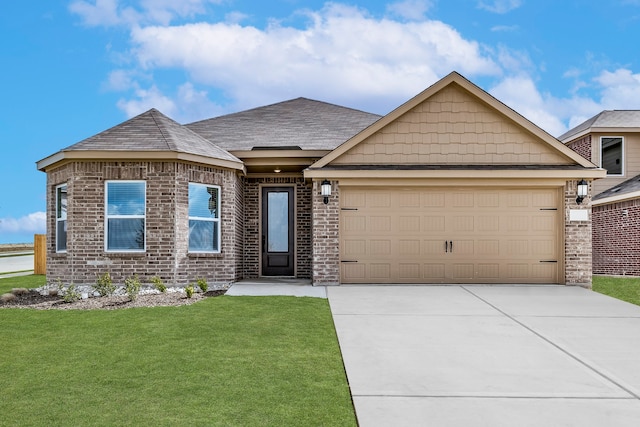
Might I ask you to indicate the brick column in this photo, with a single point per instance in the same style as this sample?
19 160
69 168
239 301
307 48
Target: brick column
577 235
325 236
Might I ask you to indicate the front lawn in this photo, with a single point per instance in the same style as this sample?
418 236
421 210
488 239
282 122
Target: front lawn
29 282
228 361
624 288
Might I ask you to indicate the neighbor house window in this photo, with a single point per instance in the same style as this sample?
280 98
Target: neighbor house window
611 155
125 216
204 218
61 218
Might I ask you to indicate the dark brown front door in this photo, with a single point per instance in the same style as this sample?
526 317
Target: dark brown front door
277 231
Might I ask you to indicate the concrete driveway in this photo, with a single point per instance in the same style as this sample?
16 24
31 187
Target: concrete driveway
489 355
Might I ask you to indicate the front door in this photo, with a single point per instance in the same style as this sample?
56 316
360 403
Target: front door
277 231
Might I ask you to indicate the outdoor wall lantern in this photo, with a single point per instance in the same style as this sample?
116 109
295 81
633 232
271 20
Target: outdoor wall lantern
583 189
325 190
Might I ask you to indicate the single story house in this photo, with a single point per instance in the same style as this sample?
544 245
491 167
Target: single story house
450 187
611 139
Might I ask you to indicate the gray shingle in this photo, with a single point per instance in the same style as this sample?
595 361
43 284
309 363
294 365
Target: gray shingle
309 124
152 131
629 186
606 119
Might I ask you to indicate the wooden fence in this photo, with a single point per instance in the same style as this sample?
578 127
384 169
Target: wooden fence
40 254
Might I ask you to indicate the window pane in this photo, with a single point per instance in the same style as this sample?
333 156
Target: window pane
278 222
125 234
203 236
61 198
612 155
61 236
203 201
125 198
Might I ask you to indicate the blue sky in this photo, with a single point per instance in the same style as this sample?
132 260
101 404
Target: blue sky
71 69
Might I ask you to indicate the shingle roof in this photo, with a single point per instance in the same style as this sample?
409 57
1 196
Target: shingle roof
606 119
309 124
629 186
152 131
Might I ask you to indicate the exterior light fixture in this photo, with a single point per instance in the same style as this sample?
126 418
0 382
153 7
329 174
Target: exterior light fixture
277 170
583 189
325 190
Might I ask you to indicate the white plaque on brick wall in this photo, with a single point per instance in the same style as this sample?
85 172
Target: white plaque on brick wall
578 215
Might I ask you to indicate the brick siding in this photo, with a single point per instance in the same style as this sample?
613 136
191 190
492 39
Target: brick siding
326 236
167 225
616 232
582 146
577 235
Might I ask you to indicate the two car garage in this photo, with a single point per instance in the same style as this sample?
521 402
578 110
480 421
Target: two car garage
450 235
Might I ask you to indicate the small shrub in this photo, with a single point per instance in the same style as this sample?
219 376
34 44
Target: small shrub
104 285
132 287
158 284
202 284
19 291
71 294
189 290
8 298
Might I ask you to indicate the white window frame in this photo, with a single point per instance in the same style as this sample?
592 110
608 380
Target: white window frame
622 168
215 220
107 217
61 219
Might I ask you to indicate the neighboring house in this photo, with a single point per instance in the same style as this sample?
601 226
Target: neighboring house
611 139
450 187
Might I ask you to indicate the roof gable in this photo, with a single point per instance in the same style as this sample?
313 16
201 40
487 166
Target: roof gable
300 122
452 122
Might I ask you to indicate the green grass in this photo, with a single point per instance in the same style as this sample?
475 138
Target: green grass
29 282
227 361
624 288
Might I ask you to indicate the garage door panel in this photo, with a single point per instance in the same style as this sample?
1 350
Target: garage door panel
434 223
380 247
434 271
433 199
409 224
489 247
498 235
488 271
461 223
409 248
410 271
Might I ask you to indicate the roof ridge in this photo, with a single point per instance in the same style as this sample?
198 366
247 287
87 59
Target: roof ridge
163 131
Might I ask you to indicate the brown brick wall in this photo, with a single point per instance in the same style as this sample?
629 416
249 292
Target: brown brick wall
166 224
582 146
252 197
616 233
577 236
326 241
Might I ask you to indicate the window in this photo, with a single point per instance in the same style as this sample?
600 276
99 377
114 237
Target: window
611 155
125 216
204 218
61 218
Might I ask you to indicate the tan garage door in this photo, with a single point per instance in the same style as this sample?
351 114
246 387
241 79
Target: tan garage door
447 235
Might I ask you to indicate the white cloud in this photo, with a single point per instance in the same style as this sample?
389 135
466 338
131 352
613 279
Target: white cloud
500 6
109 13
620 89
410 9
146 99
505 28
32 223
521 94
343 55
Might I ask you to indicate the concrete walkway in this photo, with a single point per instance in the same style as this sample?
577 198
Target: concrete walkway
489 355
277 287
